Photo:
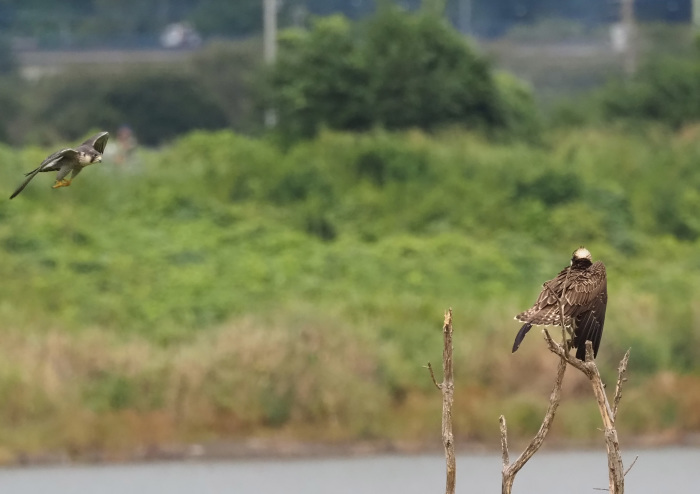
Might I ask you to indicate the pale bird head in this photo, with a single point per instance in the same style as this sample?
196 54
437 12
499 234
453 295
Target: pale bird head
87 158
84 158
581 253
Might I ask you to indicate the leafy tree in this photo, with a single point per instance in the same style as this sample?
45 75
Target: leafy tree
398 70
424 74
320 79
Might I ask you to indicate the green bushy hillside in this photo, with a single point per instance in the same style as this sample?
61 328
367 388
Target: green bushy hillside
226 285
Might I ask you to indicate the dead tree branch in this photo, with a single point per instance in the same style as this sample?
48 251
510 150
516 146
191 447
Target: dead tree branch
432 376
616 471
504 443
621 371
447 388
630 467
510 470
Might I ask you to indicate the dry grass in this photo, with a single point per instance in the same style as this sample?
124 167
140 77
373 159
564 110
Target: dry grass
93 391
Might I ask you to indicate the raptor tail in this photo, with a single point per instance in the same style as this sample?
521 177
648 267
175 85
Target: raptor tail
521 335
30 176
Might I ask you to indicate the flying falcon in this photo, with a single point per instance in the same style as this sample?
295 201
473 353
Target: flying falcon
583 290
69 160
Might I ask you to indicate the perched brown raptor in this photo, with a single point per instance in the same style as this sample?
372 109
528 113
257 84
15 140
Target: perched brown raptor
583 290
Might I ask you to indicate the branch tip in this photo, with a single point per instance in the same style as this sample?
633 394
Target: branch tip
448 319
432 376
621 370
630 467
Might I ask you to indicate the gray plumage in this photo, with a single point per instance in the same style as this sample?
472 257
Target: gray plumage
68 161
584 298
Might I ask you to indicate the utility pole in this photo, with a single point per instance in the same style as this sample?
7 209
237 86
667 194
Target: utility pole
270 47
630 41
270 30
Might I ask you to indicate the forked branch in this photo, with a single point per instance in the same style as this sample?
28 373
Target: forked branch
608 414
509 470
616 472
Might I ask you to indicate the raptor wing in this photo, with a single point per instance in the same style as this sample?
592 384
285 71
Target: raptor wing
545 310
98 142
54 162
590 296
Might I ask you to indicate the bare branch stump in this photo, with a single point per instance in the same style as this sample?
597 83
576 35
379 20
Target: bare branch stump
447 387
510 470
616 471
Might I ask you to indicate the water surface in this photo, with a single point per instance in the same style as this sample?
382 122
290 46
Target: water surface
656 471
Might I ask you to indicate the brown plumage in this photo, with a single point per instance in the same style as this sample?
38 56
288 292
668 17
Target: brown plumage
584 296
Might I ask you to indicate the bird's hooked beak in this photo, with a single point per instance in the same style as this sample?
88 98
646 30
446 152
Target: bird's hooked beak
98 158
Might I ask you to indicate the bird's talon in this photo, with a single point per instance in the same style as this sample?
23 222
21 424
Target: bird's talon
61 183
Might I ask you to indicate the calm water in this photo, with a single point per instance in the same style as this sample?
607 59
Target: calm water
656 471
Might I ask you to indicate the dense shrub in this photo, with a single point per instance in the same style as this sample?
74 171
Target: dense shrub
665 90
212 89
158 104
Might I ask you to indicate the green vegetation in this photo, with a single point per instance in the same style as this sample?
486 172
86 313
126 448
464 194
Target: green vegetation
340 75
663 91
397 71
229 286
210 90
294 284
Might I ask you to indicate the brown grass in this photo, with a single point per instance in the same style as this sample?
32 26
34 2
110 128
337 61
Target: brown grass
96 394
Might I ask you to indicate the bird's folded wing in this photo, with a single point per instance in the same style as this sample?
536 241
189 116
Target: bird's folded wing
53 162
589 326
545 310
583 288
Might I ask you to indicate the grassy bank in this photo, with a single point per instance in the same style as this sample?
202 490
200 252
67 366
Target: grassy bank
224 287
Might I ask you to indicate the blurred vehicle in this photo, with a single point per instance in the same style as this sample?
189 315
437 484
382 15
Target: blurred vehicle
180 35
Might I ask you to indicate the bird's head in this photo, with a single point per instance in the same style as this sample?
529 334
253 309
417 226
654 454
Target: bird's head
580 254
87 157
